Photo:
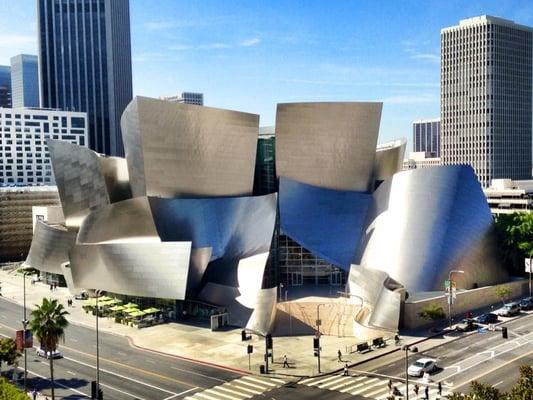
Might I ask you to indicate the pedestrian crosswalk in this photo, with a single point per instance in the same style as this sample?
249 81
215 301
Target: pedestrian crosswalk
238 389
367 386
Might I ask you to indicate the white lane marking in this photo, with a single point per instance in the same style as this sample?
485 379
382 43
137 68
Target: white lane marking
181 393
277 380
70 372
121 391
4 317
201 394
196 373
244 388
252 385
496 384
57 383
225 389
122 353
342 380
215 391
150 361
120 376
367 387
260 381
351 387
320 381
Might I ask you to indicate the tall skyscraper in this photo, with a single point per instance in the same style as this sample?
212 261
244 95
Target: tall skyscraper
426 136
24 81
186 98
486 72
5 86
85 64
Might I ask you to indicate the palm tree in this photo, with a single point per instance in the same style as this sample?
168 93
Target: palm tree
48 324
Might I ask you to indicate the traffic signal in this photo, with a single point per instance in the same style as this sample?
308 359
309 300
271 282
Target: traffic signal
504 332
315 353
268 338
250 349
316 343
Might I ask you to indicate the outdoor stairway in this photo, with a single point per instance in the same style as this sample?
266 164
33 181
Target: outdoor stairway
238 389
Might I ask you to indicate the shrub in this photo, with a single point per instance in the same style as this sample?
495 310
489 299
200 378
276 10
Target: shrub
432 312
10 392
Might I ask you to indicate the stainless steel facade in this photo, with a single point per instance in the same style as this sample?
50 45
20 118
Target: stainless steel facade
183 150
85 64
329 145
389 159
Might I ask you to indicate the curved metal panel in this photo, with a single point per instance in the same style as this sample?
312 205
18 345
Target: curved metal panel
80 182
235 227
329 145
49 247
136 269
389 159
125 221
425 222
115 171
248 304
183 150
306 212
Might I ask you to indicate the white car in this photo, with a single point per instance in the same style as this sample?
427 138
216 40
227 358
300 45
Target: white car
42 353
422 366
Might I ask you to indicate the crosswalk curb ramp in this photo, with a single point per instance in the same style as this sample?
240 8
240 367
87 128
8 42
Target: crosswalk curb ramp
238 389
370 387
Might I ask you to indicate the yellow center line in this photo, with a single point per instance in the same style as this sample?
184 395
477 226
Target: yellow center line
123 365
492 370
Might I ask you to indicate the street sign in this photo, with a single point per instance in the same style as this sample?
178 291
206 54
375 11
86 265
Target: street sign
446 284
29 339
529 264
318 322
454 293
21 343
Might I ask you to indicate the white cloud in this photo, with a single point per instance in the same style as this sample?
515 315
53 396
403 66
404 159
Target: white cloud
250 42
410 99
426 56
17 40
13 44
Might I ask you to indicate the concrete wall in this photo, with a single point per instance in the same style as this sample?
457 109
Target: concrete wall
466 301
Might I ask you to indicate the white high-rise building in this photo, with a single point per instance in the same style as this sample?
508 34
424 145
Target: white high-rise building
486 73
24 157
186 98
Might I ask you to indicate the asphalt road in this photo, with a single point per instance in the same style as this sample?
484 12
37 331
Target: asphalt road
485 357
125 372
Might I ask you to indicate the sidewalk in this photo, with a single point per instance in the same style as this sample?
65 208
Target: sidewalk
222 348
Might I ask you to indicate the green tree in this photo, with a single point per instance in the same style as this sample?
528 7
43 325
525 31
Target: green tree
48 324
479 391
515 239
432 312
503 292
8 351
523 390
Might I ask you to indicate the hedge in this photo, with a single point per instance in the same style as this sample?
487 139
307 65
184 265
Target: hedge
10 392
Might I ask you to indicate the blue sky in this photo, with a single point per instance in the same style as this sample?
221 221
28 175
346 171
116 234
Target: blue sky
250 55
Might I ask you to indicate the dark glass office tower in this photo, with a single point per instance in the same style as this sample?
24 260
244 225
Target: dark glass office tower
85 64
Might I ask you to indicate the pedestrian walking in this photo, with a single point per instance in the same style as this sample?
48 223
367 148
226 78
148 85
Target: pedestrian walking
426 392
345 369
285 362
417 389
34 394
389 385
51 287
440 389
339 355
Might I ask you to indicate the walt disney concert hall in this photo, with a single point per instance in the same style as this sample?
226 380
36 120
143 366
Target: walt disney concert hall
178 218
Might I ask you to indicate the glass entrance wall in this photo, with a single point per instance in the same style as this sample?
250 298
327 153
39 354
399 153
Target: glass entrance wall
298 266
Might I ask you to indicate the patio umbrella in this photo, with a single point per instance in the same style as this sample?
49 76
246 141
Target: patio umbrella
117 308
131 305
136 313
151 310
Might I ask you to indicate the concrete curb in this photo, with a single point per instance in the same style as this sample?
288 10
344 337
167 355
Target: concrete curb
132 343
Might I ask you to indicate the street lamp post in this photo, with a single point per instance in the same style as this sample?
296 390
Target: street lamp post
450 298
24 326
318 323
98 292
407 350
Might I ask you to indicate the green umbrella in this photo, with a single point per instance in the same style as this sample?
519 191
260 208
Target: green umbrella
104 298
136 313
151 310
117 308
90 302
131 305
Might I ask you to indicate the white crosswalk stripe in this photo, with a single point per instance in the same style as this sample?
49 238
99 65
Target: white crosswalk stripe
239 389
366 386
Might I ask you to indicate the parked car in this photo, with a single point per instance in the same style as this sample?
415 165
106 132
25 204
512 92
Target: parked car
55 354
527 303
466 325
421 366
509 309
82 296
487 318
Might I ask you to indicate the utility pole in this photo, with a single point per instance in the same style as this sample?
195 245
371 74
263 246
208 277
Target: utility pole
24 326
318 323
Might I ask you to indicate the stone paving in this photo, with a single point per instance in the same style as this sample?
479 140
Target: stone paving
201 344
